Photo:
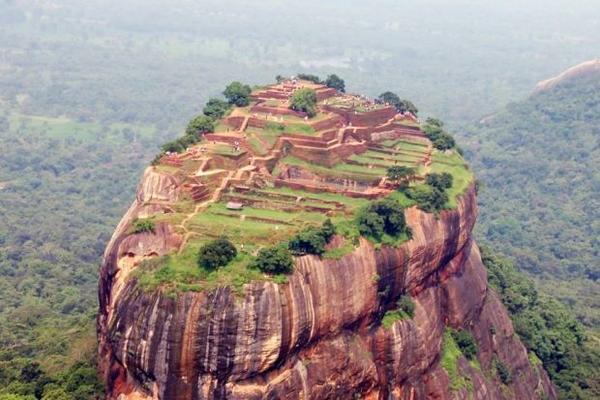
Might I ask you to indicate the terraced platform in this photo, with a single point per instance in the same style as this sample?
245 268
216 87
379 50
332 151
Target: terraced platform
289 171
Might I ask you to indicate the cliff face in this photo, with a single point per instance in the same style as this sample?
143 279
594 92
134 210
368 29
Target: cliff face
319 335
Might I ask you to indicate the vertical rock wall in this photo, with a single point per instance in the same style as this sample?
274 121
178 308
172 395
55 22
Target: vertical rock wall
318 336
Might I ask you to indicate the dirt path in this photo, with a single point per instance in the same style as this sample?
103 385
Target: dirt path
213 199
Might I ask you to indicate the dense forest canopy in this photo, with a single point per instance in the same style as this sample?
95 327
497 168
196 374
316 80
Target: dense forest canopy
63 186
548 329
146 56
90 90
538 161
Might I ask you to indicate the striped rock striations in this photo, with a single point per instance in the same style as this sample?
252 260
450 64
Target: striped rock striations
320 334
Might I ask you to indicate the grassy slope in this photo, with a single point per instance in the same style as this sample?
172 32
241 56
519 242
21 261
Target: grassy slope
256 227
454 164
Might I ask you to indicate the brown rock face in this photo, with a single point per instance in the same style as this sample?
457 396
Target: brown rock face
319 336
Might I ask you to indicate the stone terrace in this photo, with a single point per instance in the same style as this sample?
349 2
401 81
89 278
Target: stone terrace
344 150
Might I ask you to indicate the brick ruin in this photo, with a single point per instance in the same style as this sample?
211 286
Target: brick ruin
252 146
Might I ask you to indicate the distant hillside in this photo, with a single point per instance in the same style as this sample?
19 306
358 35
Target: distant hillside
589 69
538 161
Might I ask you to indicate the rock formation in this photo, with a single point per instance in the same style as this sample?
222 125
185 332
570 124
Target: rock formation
587 68
319 335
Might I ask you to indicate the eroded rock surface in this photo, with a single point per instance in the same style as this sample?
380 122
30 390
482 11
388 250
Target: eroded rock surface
318 336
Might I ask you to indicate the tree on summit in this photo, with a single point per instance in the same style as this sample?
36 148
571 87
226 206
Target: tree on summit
441 181
216 108
200 125
312 240
382 216
274 260
399 173
305 100
217 253
400 105
335 82
390 98
434 130
238 94
310 77
429 198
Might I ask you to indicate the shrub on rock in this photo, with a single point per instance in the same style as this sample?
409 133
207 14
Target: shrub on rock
274 260
441 181
465 343
406 305
217 253
429 199
382 216
312 240
142 225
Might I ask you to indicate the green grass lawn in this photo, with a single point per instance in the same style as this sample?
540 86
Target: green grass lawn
359 169
181 272
257 146
349 202
221 126
225 150
454 164
217 220
405 144
302 129
262 198
415 146
372 157
342 170
283 128
268 136
272 103
392 155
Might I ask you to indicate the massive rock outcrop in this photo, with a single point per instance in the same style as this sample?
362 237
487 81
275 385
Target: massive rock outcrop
333 328
318 336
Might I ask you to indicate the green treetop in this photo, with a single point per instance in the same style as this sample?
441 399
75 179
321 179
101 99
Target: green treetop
200 125
238 94
305 100
335 82
400 105
399 173
216 108
217 253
